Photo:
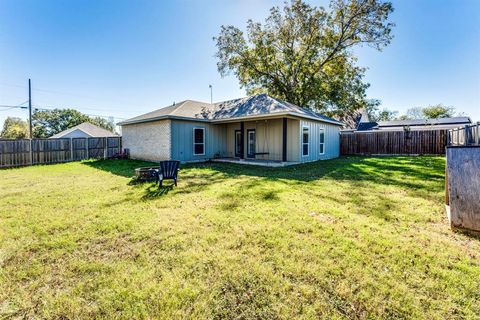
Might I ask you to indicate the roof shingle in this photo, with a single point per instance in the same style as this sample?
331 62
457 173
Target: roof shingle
251 106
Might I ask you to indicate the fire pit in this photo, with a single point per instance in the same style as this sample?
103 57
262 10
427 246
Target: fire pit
144 173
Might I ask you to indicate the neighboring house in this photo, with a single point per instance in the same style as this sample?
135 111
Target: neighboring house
414 125
84 130
253 128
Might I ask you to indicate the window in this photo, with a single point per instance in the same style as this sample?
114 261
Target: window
321 140
305 138
198 141
251 142
238 144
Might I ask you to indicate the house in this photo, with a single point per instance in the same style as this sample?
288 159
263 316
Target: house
414 125
254 129
84 130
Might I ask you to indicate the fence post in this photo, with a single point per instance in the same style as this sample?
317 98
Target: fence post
31 151
71 149
105 148
477 142
87 146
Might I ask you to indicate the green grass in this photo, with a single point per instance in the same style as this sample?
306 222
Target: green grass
346 238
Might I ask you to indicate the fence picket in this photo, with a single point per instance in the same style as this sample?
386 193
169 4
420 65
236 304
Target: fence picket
24 152
393 142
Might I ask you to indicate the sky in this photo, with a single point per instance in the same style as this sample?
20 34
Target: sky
122 58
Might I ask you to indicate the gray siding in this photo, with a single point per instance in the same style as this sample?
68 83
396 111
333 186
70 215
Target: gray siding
182 140
332 141
293 141
269 138
173 139
231 127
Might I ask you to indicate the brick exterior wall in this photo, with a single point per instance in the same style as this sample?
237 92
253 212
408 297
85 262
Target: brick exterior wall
148 141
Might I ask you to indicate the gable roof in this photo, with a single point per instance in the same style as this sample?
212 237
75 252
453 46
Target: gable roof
89 129
243 108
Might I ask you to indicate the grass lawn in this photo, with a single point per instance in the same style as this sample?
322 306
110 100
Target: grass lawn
346 238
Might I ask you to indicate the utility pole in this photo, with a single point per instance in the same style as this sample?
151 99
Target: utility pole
30 107
211 93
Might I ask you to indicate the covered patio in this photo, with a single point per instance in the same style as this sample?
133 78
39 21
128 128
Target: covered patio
265 141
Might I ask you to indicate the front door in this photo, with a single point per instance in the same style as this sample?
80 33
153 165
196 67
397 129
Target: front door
238 144
251 141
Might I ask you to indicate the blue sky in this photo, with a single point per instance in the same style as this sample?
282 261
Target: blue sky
122 58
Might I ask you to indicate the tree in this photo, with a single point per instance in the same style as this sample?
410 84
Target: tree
303 54
49 122
15 128
385 115
430 112
438 111
414 113
351 118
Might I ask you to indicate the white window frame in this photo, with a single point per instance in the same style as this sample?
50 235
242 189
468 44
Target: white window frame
203 142
249 154
308 142
320 131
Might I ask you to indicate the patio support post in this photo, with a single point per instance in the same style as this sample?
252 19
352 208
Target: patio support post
242 138
284 140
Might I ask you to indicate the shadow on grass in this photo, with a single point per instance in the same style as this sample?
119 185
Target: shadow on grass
119 167
416 173
420 175
155 191
344 168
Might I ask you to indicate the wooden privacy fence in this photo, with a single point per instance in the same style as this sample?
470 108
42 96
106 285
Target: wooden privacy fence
393 142
27 152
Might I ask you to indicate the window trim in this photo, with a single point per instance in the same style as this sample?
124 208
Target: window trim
239 153
320 131
250 155
308 142
194 143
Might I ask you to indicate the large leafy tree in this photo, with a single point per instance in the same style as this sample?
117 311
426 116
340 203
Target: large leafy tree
303 54
49 122
14 128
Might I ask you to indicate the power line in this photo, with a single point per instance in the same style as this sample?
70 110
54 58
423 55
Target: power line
69 94
7 108
48 108
12 107
13 85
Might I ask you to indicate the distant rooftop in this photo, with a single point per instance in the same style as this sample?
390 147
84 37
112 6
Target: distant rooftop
417 124
362 126
424 122
90 129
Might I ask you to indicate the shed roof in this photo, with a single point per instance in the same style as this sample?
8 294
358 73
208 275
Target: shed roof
252 106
